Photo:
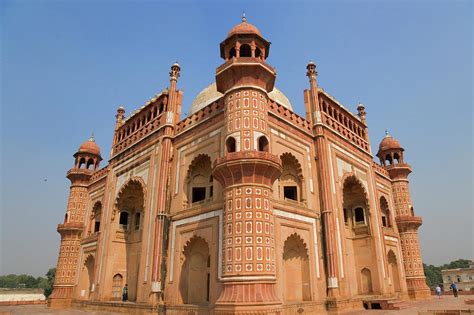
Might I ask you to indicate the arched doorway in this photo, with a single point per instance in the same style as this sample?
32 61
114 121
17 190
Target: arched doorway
393 269
117 285
365 286
195 275
297 283
89 264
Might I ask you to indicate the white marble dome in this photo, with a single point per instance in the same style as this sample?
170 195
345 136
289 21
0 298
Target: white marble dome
210 94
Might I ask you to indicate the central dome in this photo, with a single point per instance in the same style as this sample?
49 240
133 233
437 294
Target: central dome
210 95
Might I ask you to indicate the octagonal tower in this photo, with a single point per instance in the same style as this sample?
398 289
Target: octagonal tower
391 157
87 160
247 171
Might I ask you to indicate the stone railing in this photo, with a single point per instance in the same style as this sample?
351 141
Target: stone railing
246 155
355 137
129 138
99 174
380 169
235 60
288 115
199 116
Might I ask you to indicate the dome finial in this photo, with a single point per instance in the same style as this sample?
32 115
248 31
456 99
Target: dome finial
244 19
91 138
386 133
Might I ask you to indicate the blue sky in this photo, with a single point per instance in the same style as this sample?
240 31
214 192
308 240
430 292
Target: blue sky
67 65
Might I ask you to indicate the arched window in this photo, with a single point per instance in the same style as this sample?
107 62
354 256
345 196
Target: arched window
347 217
359 216
258 52
396 157
137 220
96 214
290 181
388 158
263 144
245 50
230 145
355 205
123 220
232 52
200 181
161 108
82 162
90 164
385 212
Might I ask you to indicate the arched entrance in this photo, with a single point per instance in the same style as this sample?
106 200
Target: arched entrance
128 223
296 275
393 269
195 276
90 262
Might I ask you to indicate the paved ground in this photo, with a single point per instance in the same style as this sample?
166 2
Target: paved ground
445 303
44 310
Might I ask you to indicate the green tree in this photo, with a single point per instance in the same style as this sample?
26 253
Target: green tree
50 281
433 275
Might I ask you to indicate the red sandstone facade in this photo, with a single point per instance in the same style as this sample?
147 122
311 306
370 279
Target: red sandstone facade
243 207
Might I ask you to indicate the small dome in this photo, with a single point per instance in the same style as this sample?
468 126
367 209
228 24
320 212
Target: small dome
210 95
89 147
244 28
389 142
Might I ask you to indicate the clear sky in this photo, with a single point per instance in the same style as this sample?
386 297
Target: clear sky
67 65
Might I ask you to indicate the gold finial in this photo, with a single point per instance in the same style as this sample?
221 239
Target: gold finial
386 133
244 19
91 138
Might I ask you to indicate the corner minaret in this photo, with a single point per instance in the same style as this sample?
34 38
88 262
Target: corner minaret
87 160
173 111
247 170
391 157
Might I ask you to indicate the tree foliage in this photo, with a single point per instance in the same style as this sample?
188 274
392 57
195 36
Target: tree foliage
12 281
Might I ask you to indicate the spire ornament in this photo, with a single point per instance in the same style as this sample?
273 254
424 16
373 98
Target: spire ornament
174 73
244 18
311 72
361 113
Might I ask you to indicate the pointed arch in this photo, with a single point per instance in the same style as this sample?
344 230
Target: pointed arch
131 183
199 180
95 217
355 203
195 279
297 284
291 179
365 284
385 212
394 270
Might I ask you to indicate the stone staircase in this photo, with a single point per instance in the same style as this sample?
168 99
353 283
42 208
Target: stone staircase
380 303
